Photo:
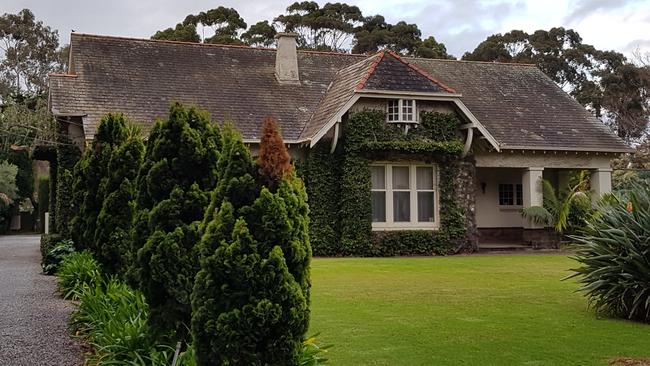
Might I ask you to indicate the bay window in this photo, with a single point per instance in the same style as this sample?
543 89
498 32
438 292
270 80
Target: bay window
404 196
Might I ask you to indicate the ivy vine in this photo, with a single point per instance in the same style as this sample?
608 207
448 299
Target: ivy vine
339 186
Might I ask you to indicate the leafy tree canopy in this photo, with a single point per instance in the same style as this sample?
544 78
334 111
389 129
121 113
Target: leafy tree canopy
376 34
182 32
29 53
226 24
260 34
327 28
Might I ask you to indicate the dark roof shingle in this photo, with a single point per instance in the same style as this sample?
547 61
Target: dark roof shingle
519 105
523 108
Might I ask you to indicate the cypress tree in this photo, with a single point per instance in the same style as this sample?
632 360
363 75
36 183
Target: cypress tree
251 296
273 160
174 183
90 178
112 235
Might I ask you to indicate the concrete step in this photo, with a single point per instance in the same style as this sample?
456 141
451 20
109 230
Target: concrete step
503 247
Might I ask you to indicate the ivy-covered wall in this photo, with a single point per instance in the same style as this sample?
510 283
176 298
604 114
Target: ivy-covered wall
339 187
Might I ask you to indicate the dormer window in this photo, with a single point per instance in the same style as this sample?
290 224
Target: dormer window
401 111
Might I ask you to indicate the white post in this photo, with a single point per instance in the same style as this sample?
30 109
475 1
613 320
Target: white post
601 182
47 223
532 192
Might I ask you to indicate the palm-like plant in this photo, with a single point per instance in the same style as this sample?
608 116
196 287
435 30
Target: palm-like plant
556 208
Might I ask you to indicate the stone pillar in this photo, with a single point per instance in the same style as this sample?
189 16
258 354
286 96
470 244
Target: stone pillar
465 196
601 182
532 192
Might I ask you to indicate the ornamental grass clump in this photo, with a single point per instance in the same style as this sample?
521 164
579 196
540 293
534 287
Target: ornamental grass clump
251 296
76 271
614 253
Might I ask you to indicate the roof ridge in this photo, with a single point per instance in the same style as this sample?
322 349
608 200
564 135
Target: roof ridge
471 61
371 70
219 45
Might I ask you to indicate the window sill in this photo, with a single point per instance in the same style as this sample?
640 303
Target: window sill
510 208
404 226
404 122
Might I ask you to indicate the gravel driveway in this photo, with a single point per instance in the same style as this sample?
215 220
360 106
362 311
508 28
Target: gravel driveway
33 319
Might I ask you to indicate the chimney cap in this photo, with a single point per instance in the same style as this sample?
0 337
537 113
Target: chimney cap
286 34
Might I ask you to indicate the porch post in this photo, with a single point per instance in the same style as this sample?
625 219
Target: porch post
532 192
601 182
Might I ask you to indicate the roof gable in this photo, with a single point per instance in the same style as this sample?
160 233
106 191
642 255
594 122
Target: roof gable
390 72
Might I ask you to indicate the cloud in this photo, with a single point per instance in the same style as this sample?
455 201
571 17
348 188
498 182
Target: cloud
584 8
460 24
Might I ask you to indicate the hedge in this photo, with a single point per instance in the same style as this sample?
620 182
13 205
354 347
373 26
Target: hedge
48 242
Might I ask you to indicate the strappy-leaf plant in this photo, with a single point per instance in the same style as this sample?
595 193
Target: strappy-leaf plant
614 254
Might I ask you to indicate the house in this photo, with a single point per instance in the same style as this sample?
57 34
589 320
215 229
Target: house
514 126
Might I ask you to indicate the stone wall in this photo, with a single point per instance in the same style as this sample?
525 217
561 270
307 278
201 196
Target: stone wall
466 198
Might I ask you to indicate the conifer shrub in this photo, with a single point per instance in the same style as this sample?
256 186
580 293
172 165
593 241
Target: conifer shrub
273 161
89 180
112 235
174 183
251 296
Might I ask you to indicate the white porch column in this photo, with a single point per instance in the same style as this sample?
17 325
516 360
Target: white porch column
532 191
601 182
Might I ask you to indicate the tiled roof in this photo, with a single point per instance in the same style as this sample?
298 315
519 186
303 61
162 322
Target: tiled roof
391 72
142 77
339 92
518 105
523 108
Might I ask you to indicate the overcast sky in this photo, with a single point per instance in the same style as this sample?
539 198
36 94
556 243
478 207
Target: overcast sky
622 25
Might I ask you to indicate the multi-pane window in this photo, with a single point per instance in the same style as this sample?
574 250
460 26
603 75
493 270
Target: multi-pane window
378 194
401 110
403 196
511 195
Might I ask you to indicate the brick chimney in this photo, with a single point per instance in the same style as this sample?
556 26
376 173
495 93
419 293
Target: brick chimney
286 59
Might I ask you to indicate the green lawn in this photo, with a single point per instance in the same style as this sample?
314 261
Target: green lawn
463 310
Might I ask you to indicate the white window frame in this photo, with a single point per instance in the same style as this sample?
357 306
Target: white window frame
401 111
514 196
413 224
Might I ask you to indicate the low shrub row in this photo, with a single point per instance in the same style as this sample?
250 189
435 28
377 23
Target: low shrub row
417 242
114 319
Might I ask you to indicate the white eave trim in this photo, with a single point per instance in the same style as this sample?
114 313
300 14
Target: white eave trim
417 95
478 125
333 120
288 142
